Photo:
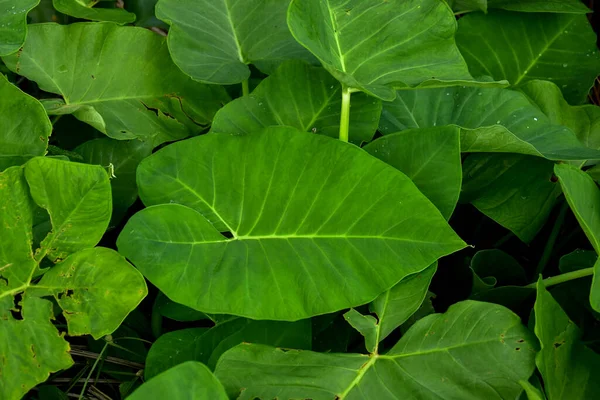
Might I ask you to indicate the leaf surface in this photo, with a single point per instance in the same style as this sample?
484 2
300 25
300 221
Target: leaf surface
302 96
430 157
140 95
520 47
568 367
85 9
24 126
374 46
514 190
288 214
213 41
482 344
536 6
491 120
187 381
13 24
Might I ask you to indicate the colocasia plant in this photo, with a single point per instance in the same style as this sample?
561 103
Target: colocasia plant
305 199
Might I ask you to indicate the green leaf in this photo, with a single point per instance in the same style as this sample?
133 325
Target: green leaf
374 46
304 97
96 289
24 126
124 156
465 6
583 196
540 6
207 345
144 10
567 366
85 9
175 311
533 393
583 120
430 157
514 190
520 47
213 41
142 95
303 236
13 24
473 351
31 348
187 381
491 120
366 325
77 197
501 267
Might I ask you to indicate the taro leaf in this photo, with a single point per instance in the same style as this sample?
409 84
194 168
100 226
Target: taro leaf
120 80
583 120
430 157
583 197
473 351
207 345
177 312
520 47
214 40
96 288
532 392
30 348
144 11
374 46
124 156
393 308
77 197
188 381
24 126
465 6
514 190
568 367
13 24
492 120
535 6
305 97
85 9
288 214
496 264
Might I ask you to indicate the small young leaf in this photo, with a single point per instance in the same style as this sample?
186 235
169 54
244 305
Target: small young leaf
85 9
366 325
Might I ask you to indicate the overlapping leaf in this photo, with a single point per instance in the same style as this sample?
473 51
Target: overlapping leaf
187 381
24 126
214 41
120 80
13 24
473 351
374 46
520 47
304 97
536 6
85 9
430 157
207 345
566 364
515 190
289 214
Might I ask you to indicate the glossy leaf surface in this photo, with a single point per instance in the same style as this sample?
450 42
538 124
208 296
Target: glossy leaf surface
287 219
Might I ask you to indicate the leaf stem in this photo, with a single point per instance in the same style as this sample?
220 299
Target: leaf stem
345 117
245 88
569 276
92 370
548 250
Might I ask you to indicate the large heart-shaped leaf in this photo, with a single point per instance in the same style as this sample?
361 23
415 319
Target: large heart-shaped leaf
188 381
566 364
492 120
213 41
583 197
304 97
13 24
85 9
375 45
473 351
520 47
290 202
584 120
515 190
140 95
207 345
430 157
24 126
